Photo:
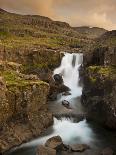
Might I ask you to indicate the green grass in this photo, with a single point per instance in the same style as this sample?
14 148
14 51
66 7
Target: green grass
108 71
13 79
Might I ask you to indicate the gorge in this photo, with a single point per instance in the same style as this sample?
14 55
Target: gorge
70 128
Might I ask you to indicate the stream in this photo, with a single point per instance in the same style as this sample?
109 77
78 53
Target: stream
70 129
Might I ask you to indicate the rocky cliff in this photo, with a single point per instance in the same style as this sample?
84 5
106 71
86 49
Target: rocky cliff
23 108
100 81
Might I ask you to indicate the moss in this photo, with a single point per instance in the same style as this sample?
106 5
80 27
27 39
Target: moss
13 80
93 79
108 71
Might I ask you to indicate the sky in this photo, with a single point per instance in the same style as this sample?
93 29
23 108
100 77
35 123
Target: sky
100 13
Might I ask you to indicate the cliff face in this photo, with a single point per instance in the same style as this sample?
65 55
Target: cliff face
100 82
23 109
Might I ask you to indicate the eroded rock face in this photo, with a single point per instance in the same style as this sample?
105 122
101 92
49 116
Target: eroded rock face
99 94
23 111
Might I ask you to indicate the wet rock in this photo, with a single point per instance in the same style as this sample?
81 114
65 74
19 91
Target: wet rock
42 150
107 151
66 93
66 104
52 97
54 143
79 147
58 78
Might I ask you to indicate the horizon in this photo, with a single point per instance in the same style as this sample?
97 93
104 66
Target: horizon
78 13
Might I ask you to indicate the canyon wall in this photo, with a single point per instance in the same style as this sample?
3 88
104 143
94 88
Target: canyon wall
100 86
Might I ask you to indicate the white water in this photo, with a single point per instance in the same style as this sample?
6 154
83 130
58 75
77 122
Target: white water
69 69
69 131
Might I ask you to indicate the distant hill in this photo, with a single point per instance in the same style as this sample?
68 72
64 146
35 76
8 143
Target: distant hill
91 32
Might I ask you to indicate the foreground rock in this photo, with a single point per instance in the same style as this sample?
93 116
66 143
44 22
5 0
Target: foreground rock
42 150
54 143
23 109
79 147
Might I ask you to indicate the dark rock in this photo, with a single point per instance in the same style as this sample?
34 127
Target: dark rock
58 78
42 150
107 151
79 147
66 93
54 143
66 104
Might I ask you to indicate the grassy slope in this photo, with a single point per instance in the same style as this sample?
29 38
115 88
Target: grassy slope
25 31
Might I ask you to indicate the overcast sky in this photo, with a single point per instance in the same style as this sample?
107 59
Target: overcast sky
101 13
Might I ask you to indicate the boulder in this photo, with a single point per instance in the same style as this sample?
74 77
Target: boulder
58 78
66 93
66 104
107 151
79 147
54 143
42 150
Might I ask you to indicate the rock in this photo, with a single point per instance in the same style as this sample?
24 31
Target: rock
23 110
66 104
58 78
53 97
42 150
107 151
79 147
66 93
29 77
54 142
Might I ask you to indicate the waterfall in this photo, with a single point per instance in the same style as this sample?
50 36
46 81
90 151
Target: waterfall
69 69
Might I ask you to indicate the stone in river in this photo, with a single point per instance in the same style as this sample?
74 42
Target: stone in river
66 104
66 93
54 143
79 147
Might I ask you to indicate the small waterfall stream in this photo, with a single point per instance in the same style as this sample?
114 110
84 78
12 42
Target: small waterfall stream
70 131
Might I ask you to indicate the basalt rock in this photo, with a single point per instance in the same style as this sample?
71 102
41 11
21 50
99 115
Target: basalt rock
58 78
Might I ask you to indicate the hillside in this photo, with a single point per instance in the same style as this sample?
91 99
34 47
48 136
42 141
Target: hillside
25 30
34 31
90 32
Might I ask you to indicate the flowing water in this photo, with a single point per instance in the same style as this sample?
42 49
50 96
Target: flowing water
71 131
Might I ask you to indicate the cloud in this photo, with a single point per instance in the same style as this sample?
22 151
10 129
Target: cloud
99 13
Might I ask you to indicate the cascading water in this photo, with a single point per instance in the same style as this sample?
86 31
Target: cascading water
69 69
70 131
